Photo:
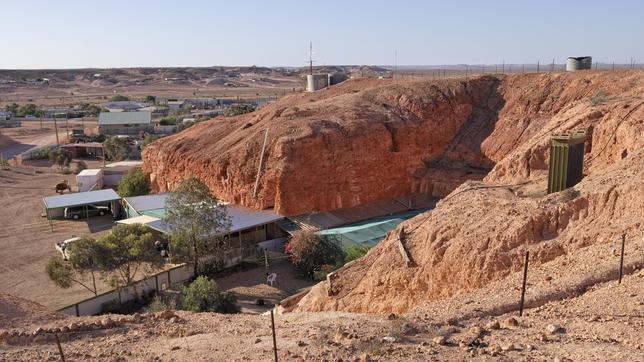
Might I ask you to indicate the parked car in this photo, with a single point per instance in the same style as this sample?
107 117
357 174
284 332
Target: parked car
62 246
78 212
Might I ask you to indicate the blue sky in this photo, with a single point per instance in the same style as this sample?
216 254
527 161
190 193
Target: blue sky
117 33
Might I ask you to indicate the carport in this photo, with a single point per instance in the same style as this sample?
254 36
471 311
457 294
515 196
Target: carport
55 205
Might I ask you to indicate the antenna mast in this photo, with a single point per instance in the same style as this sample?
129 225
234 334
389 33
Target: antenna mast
395 61
311 57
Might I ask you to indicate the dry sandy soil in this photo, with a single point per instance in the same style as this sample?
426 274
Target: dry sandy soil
601 323
71 87
32 134
27 240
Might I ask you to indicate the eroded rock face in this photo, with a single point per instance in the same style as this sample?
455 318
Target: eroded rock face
360 142
479 233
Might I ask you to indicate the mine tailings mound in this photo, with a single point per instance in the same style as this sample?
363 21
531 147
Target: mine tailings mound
480 143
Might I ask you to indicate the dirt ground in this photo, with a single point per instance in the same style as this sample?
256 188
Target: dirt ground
604 323
250 285
31 134
27 240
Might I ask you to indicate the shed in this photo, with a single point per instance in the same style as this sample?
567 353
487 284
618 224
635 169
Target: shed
89 179
125 123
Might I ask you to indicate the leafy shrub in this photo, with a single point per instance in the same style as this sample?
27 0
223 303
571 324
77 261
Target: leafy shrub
203 295
60 157
119 98
149 139
211 267
159 305
168 121
183 125
134 183
309 252
116 148
42 153
126 307
355 252
238 108
598 98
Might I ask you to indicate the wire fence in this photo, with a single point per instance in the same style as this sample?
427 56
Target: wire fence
467 70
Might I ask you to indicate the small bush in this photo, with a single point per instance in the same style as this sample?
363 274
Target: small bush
355 252
569 194
159 305
211 267
42 153
127 307
168 121
238 108
119 98
598 98
203 295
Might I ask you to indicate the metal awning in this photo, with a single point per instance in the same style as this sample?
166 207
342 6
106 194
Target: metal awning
80 199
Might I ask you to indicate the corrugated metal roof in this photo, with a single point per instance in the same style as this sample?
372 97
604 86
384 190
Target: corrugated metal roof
115 118
147 202
80 198
153 206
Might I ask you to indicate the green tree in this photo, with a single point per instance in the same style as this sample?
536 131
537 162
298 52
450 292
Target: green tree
309 252
197 222
116 148
238 108
119 98
13 108
151 99
29 110
81 260
125 251
60 157
90 109
204 295
134 183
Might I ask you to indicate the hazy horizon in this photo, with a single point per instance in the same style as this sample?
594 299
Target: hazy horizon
65 34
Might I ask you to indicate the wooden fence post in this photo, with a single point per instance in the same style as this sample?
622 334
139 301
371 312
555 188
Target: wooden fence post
621 260
60 349
525 278
274 338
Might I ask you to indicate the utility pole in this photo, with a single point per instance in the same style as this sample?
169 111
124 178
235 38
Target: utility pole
56 129
67 128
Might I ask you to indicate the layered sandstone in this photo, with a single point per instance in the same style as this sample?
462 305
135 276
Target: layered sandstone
480 232
363 141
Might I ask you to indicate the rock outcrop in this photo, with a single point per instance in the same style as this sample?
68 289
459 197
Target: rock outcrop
363 141
480 232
